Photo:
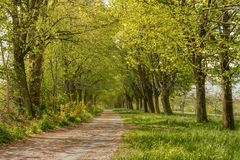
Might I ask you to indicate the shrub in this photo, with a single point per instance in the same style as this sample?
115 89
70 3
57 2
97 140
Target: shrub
72 119
64 122
5 135
85 116
35 129
46 125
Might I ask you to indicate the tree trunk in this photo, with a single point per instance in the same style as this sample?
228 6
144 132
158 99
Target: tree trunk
123 103
137 104
165 98
21 77
130 104
198 67
150 102
228 117
141 103
201 98
157 107
129 101
95 100
145 105
200 76
85 97
36 78
90 100
18 40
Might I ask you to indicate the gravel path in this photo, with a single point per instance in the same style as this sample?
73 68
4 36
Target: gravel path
95 140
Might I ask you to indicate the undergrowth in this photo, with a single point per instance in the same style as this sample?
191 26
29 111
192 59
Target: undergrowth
21 129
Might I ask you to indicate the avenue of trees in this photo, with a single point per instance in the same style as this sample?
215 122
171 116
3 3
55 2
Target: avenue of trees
54 52
172 45
134 53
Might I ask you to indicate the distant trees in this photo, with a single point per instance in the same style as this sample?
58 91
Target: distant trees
155 56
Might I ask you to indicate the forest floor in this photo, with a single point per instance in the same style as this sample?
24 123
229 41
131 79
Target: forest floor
97 139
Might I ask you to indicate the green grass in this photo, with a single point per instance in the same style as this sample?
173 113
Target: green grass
177 137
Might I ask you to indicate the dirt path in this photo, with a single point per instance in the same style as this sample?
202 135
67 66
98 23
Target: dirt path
95 140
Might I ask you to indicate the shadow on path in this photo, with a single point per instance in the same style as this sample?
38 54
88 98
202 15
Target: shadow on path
94 140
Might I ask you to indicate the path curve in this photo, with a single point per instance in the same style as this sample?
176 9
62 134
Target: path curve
95 140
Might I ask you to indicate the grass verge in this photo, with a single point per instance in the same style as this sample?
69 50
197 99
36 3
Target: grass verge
177 137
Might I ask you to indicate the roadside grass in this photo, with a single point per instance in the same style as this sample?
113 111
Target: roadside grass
19 130
176 137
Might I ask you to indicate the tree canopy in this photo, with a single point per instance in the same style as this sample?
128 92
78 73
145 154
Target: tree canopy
122 53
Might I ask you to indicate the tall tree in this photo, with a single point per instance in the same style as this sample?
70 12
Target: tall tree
226 56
